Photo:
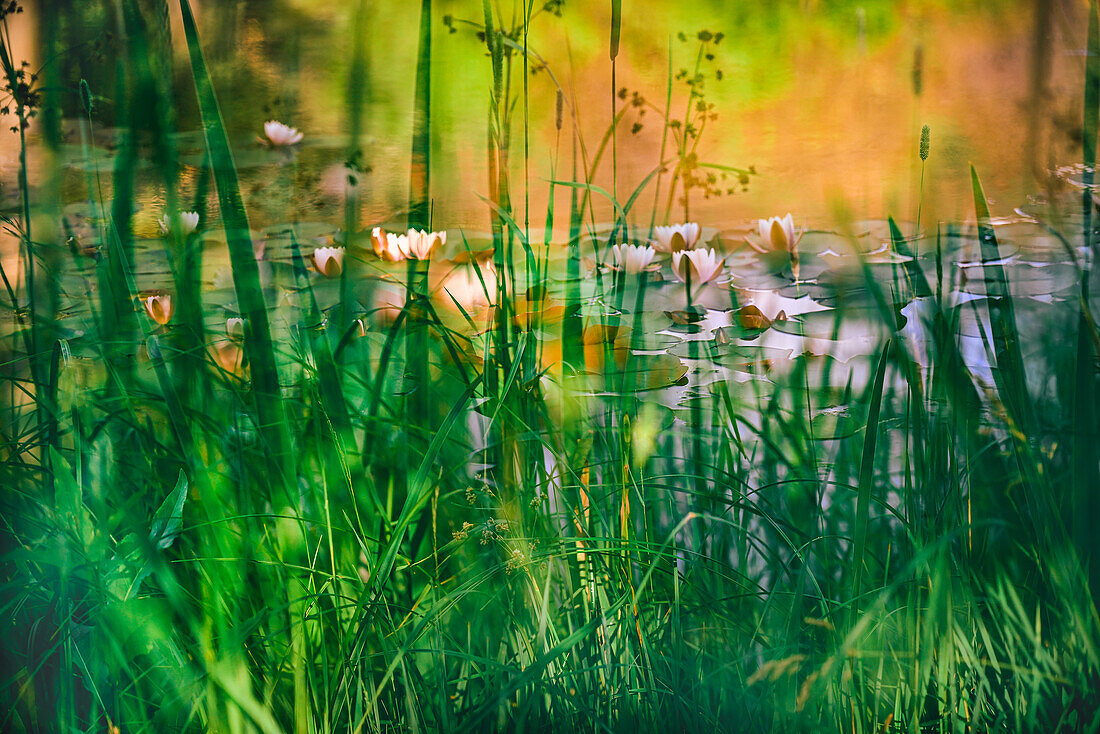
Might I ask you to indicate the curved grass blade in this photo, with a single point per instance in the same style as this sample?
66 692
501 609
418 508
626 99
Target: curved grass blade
914 276
1002 316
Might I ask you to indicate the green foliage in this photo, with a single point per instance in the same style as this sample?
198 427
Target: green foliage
532 490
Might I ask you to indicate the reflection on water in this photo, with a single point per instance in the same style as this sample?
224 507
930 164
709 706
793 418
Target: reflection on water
826 101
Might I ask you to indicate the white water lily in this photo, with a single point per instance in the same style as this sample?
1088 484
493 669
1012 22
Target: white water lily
234 327
188 222
697 266
676 237
159 307
281 135
632 258
777 233
329 261
421 244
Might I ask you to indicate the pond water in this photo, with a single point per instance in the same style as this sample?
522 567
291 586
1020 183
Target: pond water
821 103
824 100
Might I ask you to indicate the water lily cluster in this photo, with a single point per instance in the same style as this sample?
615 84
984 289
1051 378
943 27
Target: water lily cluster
416 244
472 286
689 265
676 244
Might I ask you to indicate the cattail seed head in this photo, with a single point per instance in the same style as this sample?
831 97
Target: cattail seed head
559 109
925 140
86 96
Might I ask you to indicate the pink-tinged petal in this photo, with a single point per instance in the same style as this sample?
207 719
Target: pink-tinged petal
279 134
159 308
329 261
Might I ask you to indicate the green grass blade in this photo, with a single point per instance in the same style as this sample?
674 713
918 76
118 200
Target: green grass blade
914 276
1086 471
420 165
1002 316
419 488
1091 119
259 348
866 474
616 26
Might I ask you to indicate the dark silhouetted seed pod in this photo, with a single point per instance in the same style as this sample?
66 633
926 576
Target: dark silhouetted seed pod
86 96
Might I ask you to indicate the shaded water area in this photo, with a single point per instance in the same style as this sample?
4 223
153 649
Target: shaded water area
453 366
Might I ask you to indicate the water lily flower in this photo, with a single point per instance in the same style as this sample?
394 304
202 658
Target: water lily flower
234 327
388 246
777 233
698 266
464 287
415 244
632 258
421 244
159 307
229 357
329 261
188 222
281 135
676 237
